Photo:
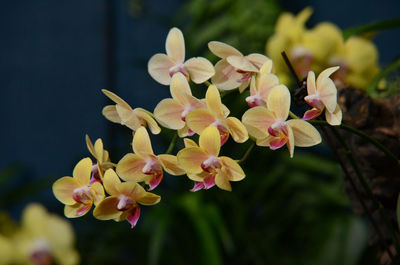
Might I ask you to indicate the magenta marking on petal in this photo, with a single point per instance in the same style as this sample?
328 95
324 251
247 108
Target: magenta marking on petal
95 177
190 132
133 216
277 143
83 209
209 181
155 180
272 132
197 186
311 114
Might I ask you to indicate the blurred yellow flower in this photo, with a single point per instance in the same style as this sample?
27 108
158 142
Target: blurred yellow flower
270 127
143 165
216 115
163 66
123 114
76 192
124 199
203 165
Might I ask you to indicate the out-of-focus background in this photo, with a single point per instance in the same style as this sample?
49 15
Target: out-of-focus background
56 56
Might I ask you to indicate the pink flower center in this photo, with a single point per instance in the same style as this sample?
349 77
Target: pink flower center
314 100
277 128
255 100
179 68
82 195
124 203
245 75
186 110
210 164
41 254
151 167
224 133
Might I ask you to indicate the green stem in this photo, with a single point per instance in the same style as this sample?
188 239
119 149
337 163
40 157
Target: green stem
366 187
372 91
207 83
172 144
363 135
293 116
246 155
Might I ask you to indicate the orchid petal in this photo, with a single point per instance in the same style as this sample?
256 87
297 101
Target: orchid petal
200 69
242 63
191 158
168 113
234 171
179 85
189 143
334 118
266 68
197 186
110 180
155 180
199 119
141 143
311 88
210 141
130 167
82 171
279 101
213 100
222 50
257 120
291 141
63 190
158 68
98 150
258 60
150 122
311 114
222 180
264 141
325 75
265 84
185 131
97 192
76 210
107 209
244 85
170 164
226 77
111 114
175 45
304 133
209 182
116 99
149 198
130 189
133 216
277 143
237 130
328 93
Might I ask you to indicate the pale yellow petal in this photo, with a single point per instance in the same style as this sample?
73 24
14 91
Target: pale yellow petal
257 120
304 133
265 83
169 114
170 164
222 180
149 198
199 119
222 50
89 145
82 171
210 141
226 77
244 85
325 74
291 140
175 45
130 189
143 115
279 102
130 167
34 218
200 69
241 63
111 114
258 59
264 141
141 143
213 100
328 94
76 210
311 88
107 209
234 171
110 180
179 85
189 143
97 192
98 150
237 130
191 158
63 190
116 99
334 118
159 68
184 132
266 68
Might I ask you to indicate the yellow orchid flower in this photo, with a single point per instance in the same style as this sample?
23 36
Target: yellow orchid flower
102 157
215 115
270 127
323 95
171 112
260 88
123 114
124 199
76 192
7 253
143 165
44 239
203 165
163 66
234 70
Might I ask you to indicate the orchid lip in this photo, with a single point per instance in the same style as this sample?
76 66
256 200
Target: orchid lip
82 195
124 203
150 167
314 100
186 110
277 127
255 100
210 164
178 68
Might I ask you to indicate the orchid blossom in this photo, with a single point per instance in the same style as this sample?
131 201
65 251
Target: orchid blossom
203 165
132 118
215 115
270 127
323 95
143 165
163 66
102 157
234 70
171 112
124 199
76 192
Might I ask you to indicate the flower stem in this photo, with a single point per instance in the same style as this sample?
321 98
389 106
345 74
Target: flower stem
290 66
172 144
293 116
246 155
207 83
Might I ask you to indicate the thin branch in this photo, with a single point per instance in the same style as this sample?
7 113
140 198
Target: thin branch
172 144
246 155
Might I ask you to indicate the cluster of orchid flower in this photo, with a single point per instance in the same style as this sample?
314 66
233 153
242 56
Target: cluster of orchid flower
266 123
